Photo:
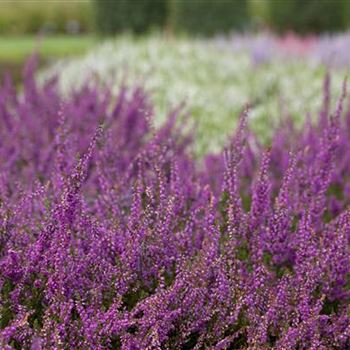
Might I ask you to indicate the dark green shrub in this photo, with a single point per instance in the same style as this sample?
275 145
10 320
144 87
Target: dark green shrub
138 16
308 16
208 17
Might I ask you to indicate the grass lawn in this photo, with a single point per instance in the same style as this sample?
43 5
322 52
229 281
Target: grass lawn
16 49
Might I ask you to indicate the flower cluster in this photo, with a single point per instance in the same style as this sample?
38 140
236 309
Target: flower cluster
215 78
266 47
113 237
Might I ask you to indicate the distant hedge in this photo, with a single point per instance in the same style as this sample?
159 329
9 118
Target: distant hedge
211 16
305 16
138 16
193 16
198 17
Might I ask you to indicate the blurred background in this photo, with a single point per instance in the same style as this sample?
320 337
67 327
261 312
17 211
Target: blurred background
60 28
216 55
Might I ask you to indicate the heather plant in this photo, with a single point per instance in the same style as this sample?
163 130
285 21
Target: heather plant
114 237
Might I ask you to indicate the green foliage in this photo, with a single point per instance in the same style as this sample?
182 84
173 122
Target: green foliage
206 17
305 16
138 16
258 12
18 17
6 313
199 17
209 17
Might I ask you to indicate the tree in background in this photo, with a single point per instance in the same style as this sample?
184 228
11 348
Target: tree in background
308 16
137 16
209 17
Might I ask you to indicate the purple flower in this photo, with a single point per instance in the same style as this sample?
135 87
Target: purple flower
112 236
